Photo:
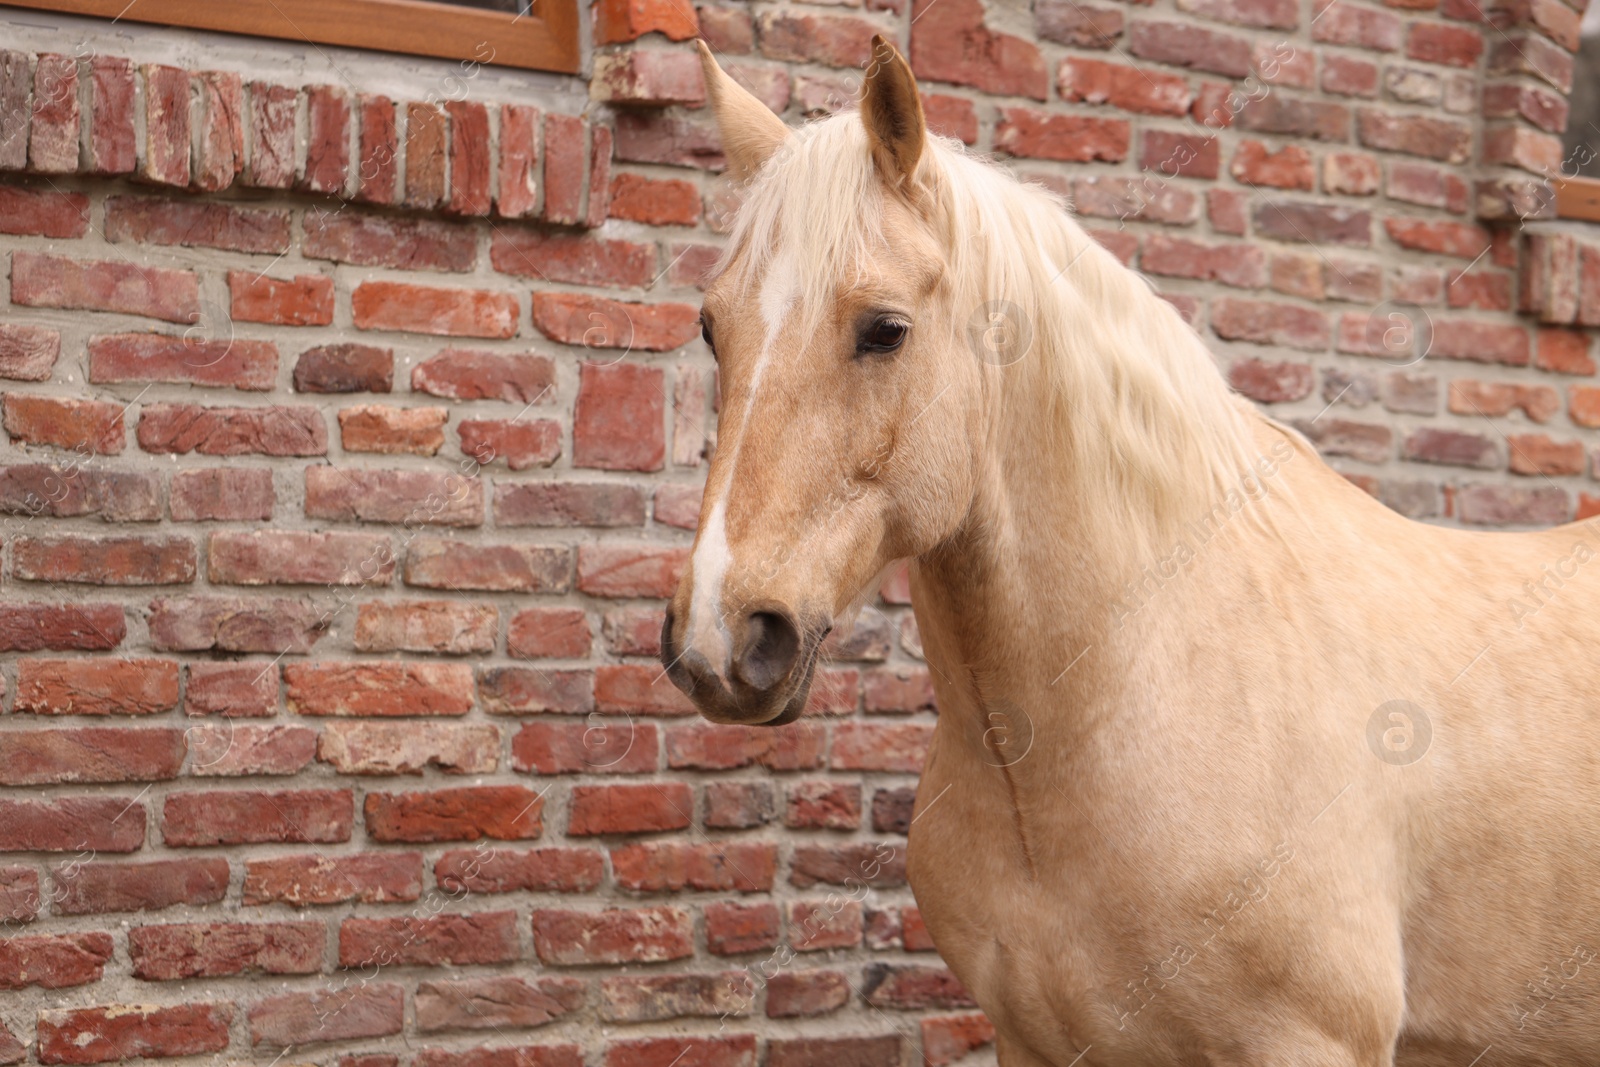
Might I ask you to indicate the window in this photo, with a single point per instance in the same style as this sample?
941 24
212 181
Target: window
532 34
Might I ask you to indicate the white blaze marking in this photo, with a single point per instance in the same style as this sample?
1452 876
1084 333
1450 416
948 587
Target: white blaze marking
708 632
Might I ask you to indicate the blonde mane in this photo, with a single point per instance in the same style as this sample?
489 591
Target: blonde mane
1143 414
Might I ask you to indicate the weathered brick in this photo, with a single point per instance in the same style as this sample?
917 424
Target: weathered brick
502 813
399 242
45 281
278 625
104 560
409 498
391 430
615 935
496 1003
409 308
118 1032
464 374
216 817
376 688
72 824
351 1012
268 431
151 357
195 223
96 888
370 877
452 940
214 950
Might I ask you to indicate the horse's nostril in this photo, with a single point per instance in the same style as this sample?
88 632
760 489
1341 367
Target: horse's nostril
771 643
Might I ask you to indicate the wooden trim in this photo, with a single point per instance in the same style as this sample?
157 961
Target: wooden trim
1577 198
545 40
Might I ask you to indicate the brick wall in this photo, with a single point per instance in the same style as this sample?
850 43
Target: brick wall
356 417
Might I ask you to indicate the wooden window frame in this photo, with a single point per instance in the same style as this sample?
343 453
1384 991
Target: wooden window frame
1577 198
547 39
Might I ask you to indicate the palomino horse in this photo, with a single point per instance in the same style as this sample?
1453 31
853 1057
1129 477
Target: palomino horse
1233 765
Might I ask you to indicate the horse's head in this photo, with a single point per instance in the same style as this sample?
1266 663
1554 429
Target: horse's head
849 415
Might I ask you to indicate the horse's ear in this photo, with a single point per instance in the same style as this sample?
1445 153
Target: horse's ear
751 133
891 107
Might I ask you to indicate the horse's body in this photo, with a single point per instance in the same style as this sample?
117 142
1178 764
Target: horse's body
1233 764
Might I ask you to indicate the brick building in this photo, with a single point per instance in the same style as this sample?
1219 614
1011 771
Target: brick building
356 415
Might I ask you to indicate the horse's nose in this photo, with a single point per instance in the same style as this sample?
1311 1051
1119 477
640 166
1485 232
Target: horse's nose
768 643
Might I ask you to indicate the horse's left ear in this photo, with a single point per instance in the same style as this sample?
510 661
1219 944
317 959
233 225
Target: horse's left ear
891 108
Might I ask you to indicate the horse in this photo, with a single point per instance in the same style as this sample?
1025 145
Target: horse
1233 765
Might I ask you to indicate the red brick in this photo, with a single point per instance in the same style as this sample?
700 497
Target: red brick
53 146
228 750
1466 240
369 877
899 690
951 116
463 374
426 626
97 888
555 633
307 300
1185 45
248 690
519 1056
1488 290
1179 154
618 422
734 929
43 213
565 165
663 202
1288 168
344 368
1276 113
569 504
409 498
61 627
733 1050
92 754
1507 505
621 570
1440 139
327 165
1240 265
389 241
1069 23
599 323
96 686
892 808
798 746
46 281
1261 322
617 21
637 689
278 625
427 137
1317 224
244 817
390 430
615 935
220 155
1453 447
1273 382
111 116
167 138
72 824
214 950
470 167
672 866
801 994
1348 76
1434 42
823 805
950 42
946 1039
16 91
149 357
272 136
438 564
404 747
522 443
451 940
118 1032
1024 131
815 926
379 688
503 813
520 168
1345 437
601 150
492 1003
880 747
1537 453
425 309
267 557
656 78
20 899
104 560
1482 342
1095 81
347 1012
629 809
913 988
378 166
881 1051
572 258
594 746
539 870
82 425
270 431
678 505
1351 24
658 997
56 962
189 224
222 495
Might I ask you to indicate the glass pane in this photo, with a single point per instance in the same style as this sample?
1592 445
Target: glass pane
510 7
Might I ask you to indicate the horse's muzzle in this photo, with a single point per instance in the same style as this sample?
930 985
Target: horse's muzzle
769 679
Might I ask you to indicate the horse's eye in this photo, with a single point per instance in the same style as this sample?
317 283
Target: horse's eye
705 335
885 335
